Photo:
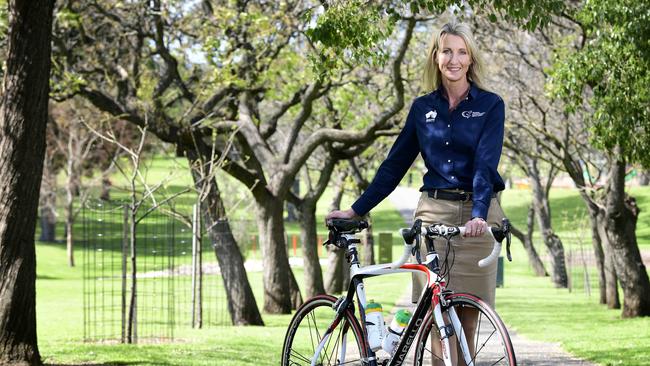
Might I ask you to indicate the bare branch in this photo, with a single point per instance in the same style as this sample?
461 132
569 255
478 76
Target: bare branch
307 103
269 128
321 136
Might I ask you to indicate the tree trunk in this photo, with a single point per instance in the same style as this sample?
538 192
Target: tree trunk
608 287
294 289
621 214
277 276
292 210
69 205
609 270
47 202
527 240
313 274
69 238
241 301
551 240
23 116
599 255
48 225
368 243
644 178
132 325
106 188
334 278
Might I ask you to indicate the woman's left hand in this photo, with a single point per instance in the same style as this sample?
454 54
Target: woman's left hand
475 227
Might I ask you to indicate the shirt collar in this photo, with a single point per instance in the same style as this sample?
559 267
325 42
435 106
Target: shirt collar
473 91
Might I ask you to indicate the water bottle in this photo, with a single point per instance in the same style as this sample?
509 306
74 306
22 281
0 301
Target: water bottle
400 321
374 324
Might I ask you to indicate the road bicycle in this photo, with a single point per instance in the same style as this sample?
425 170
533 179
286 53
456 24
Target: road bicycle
446 328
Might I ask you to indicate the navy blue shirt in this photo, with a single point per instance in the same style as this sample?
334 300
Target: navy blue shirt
461 149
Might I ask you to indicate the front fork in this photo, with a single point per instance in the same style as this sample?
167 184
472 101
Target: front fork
439 321
446 331
326 337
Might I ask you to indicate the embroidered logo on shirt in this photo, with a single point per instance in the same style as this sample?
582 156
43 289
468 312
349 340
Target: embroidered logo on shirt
431 116
468 114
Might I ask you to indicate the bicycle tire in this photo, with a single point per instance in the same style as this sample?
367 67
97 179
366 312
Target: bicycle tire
302 338
491 339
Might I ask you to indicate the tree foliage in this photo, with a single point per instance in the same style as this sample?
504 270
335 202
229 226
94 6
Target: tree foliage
357 28
349 29
612 71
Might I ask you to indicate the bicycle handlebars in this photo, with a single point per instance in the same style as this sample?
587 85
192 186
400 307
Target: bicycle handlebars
339 227
447 232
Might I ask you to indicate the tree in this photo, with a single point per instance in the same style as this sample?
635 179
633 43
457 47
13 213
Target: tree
75 151
47 196
527 240
253 80
23 117
560 140
306 209
620 125
335 277
132 62
521 85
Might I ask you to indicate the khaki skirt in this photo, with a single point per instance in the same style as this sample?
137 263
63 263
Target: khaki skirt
465 275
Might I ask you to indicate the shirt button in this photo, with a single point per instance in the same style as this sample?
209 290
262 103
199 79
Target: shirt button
446 142
449 161
452 177
448 125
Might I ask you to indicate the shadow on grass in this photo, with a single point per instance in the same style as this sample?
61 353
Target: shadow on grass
46 277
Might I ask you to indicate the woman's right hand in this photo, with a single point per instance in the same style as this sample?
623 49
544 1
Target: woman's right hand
345 214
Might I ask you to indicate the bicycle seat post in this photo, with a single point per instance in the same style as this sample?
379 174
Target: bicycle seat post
352 255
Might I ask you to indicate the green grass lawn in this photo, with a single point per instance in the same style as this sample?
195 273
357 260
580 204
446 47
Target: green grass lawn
530 305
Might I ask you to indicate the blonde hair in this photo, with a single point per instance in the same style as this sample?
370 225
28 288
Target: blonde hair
432 78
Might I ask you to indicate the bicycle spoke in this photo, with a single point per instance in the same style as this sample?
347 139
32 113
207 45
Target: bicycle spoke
349 362
484 343
311 337
300 356
432 354
478 333
499 360
324 351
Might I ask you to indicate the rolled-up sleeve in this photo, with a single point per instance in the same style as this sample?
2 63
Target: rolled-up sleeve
392 170
486 159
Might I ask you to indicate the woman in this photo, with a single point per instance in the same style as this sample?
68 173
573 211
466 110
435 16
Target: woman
458 129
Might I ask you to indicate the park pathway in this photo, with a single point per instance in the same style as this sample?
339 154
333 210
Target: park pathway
528 352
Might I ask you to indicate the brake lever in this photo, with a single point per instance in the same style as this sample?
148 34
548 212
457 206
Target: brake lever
508 247
506 229
416 249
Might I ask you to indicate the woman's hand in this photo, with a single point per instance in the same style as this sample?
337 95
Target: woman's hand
346 214
475 227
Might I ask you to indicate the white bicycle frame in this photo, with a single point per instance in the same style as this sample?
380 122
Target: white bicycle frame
400 266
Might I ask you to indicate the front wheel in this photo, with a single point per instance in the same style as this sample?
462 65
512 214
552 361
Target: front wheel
486 337
345 345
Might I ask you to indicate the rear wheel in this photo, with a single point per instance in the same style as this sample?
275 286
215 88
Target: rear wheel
487 337
309 325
